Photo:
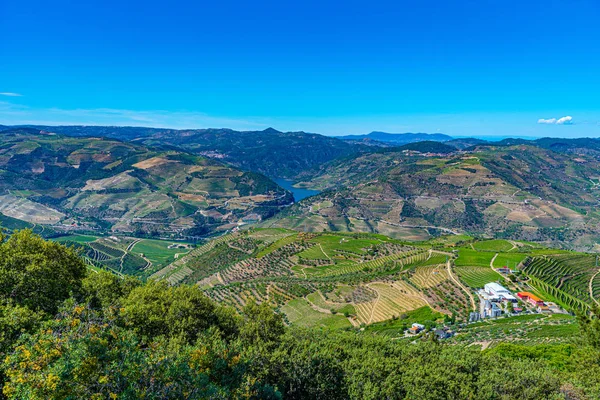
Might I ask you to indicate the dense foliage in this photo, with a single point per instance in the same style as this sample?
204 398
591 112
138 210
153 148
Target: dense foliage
65 334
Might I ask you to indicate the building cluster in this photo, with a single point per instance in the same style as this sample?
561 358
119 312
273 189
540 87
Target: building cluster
539 304
495 297
416 328
497 293
441 333
492 295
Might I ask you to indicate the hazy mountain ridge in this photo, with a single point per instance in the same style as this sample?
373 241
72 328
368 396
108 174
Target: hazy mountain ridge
270 152
398 138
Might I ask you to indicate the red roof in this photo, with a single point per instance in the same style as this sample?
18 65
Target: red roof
529 295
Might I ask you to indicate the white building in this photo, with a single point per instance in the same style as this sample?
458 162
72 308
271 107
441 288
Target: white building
489 309
499 291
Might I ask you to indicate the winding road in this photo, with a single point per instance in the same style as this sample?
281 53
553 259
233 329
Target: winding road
459 283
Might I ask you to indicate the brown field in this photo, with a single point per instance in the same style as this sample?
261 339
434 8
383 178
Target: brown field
191 197
106 183
152 162
26 210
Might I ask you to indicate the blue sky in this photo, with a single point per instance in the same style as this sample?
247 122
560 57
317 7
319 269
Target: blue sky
484 67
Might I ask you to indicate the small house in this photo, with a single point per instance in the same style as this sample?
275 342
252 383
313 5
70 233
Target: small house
530 298
416 328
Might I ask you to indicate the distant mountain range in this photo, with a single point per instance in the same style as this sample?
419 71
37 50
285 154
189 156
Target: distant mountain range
130 179
398 138
269 152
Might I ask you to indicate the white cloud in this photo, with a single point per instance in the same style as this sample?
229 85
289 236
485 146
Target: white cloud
10 94
547 121
567 120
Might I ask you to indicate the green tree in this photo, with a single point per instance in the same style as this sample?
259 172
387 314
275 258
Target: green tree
157 309
105 289
36 273
262 327
503 379
85 355
590 327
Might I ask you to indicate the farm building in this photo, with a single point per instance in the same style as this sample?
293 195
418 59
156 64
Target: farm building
489 309
416 328
443 333
531 298
499 292
474 316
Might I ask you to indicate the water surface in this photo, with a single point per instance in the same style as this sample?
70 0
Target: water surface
298 193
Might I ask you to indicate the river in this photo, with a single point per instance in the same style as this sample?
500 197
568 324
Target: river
298 193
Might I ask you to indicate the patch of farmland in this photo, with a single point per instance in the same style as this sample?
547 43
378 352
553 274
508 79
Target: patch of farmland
399 261
76 238
276 263
131 264
270 235
470 257
510 260
290 238
300 313
313 253
29 211
433 259
110 251
393 299
429 276
341 243
477 276
238 296
497 245
317 298
403 233
396 327
566 277
447 297
189 258
179 275
158 251
449 240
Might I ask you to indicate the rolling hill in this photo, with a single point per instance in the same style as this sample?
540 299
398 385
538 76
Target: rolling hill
398 138
100 184
269 152
520 192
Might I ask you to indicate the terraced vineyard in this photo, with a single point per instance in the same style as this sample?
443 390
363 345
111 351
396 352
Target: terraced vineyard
393 299
524 329
335 280
125 255
566 277
429 276
477 277
177 271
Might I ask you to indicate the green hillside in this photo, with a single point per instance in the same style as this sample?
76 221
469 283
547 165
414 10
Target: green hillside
269 152
101 185
73 332
518 192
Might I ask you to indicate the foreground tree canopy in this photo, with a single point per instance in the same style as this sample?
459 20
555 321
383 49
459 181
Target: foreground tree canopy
69 334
